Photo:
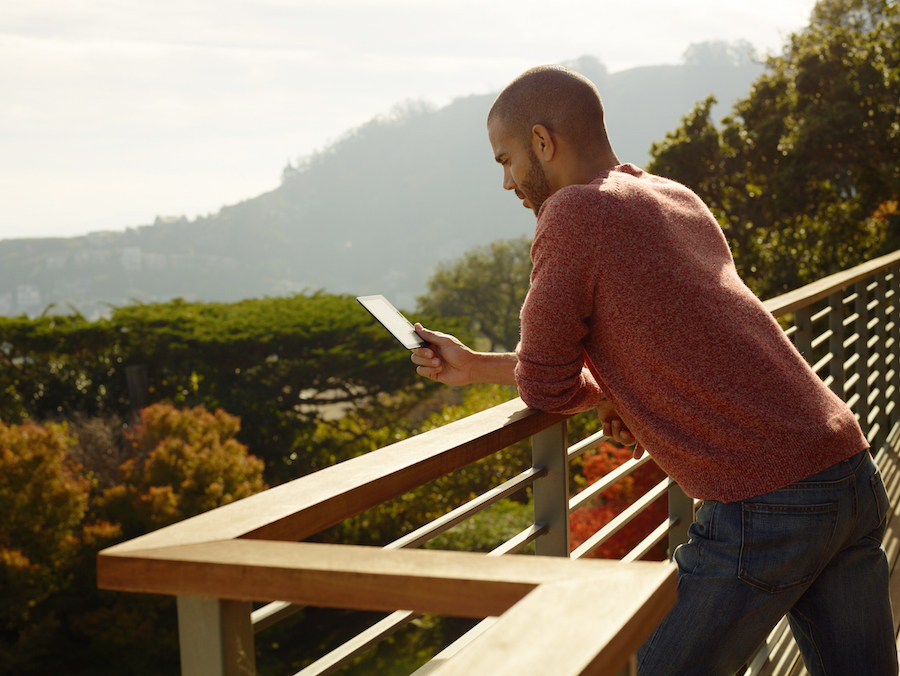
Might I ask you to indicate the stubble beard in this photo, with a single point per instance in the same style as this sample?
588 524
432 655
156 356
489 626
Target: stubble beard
536 186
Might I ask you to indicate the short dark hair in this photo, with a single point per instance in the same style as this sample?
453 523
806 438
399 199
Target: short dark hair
563 101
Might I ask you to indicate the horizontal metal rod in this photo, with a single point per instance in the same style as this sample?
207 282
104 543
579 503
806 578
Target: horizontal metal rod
586 444
608 480
658 535
621 520
469 509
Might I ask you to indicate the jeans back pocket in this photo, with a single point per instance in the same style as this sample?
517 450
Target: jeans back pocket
784 546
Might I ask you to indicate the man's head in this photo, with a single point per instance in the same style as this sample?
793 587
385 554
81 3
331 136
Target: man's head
555 117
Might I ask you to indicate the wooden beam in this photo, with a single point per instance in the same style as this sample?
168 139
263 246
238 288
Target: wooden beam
460 584
558 628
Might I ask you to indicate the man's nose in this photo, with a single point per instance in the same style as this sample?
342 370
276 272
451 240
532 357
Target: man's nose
508 182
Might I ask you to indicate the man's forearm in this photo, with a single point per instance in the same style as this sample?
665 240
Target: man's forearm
498 368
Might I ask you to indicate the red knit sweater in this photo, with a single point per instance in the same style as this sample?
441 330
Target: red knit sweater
634 295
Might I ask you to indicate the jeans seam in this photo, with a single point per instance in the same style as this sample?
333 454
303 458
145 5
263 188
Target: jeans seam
873 482
808 637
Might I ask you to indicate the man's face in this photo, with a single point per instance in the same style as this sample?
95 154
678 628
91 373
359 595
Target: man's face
522 170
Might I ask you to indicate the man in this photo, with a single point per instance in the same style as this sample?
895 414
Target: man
636 309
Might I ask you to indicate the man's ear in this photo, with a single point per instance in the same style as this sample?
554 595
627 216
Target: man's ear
542 142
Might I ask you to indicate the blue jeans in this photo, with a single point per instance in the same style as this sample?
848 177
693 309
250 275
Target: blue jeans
811 551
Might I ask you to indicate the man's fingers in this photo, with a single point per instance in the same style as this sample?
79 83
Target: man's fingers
428 372
615 429
430 336
425 358
621 433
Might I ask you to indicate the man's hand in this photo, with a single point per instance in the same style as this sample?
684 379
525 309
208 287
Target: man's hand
445 360
448 361
615 428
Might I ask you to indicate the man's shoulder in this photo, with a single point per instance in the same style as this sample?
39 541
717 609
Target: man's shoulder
617 185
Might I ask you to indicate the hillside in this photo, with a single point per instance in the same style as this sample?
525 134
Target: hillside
371 214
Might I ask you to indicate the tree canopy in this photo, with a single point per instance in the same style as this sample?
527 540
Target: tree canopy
279 364
804 174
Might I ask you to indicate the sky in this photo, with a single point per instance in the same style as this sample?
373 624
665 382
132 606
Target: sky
115 111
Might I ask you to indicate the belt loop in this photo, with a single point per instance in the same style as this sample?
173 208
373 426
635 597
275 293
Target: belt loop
858 461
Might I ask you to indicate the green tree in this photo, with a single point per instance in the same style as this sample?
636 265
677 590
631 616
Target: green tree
486 287
354 434
51 366
802 176
280 364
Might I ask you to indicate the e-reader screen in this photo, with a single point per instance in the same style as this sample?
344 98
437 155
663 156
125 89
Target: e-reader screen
392 320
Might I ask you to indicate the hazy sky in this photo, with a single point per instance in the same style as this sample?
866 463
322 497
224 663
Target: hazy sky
114 111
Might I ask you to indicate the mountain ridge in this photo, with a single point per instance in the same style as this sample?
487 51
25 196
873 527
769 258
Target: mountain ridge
372 213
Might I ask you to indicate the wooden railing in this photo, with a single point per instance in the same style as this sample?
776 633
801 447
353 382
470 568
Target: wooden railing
548 613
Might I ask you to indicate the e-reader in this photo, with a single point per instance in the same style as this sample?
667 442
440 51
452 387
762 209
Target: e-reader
392 320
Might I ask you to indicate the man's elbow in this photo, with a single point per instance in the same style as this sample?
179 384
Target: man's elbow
565 404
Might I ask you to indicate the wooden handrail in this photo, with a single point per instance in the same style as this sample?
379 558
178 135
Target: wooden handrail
459 584
228 553
564 593
822 288
306 506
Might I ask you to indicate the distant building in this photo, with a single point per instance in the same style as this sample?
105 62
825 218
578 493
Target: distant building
103 237
131 258
181 261
70 290
160 220
156 261
219 262
90 257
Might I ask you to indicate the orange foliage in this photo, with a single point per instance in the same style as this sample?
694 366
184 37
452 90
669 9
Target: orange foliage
53 617
587 520
43 500
188 462
885 210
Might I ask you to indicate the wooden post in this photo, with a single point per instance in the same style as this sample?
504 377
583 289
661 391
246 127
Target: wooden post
879 383
836 344
803 337
138 383
862 363
215 637
551 492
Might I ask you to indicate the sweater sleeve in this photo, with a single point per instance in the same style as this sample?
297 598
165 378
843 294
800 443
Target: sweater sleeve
551 372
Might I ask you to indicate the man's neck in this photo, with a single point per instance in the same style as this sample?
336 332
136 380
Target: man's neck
584 171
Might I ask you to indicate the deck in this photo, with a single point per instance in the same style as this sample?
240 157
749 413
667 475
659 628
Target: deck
222 564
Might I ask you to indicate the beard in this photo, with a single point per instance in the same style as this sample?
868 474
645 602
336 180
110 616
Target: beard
536 186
